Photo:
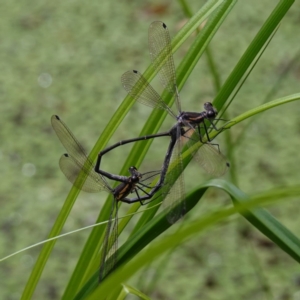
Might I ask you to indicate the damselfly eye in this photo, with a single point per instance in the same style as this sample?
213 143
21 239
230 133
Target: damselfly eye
211 114
135 178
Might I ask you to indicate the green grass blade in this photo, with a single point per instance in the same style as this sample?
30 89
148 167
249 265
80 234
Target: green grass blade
242 117
262 219
275 88
272 104
47 248
234 80
139 240
262 108
244 205
131 290
88 255
184 70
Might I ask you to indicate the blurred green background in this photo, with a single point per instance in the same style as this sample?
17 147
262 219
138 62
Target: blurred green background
66 58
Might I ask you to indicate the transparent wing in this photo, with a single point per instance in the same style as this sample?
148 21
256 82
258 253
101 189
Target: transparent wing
160 49
149 177
175 200
76 159
209 158
140 90
68 140
93 182
108 257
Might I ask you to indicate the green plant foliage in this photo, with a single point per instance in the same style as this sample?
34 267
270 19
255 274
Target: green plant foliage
243 205
231 66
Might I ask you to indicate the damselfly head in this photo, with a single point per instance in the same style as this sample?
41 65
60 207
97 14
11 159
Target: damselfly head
134 173
211 112
132 169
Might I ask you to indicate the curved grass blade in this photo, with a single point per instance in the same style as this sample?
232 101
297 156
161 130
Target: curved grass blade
275 88
133 291
277 232
183 72
198 18
194 22
274 16
156 118
259 109
137 242
251 53
260 218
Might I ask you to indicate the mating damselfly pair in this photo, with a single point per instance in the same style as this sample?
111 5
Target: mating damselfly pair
191 132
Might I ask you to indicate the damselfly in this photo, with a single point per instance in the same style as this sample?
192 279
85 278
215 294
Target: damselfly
79 170
187 123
